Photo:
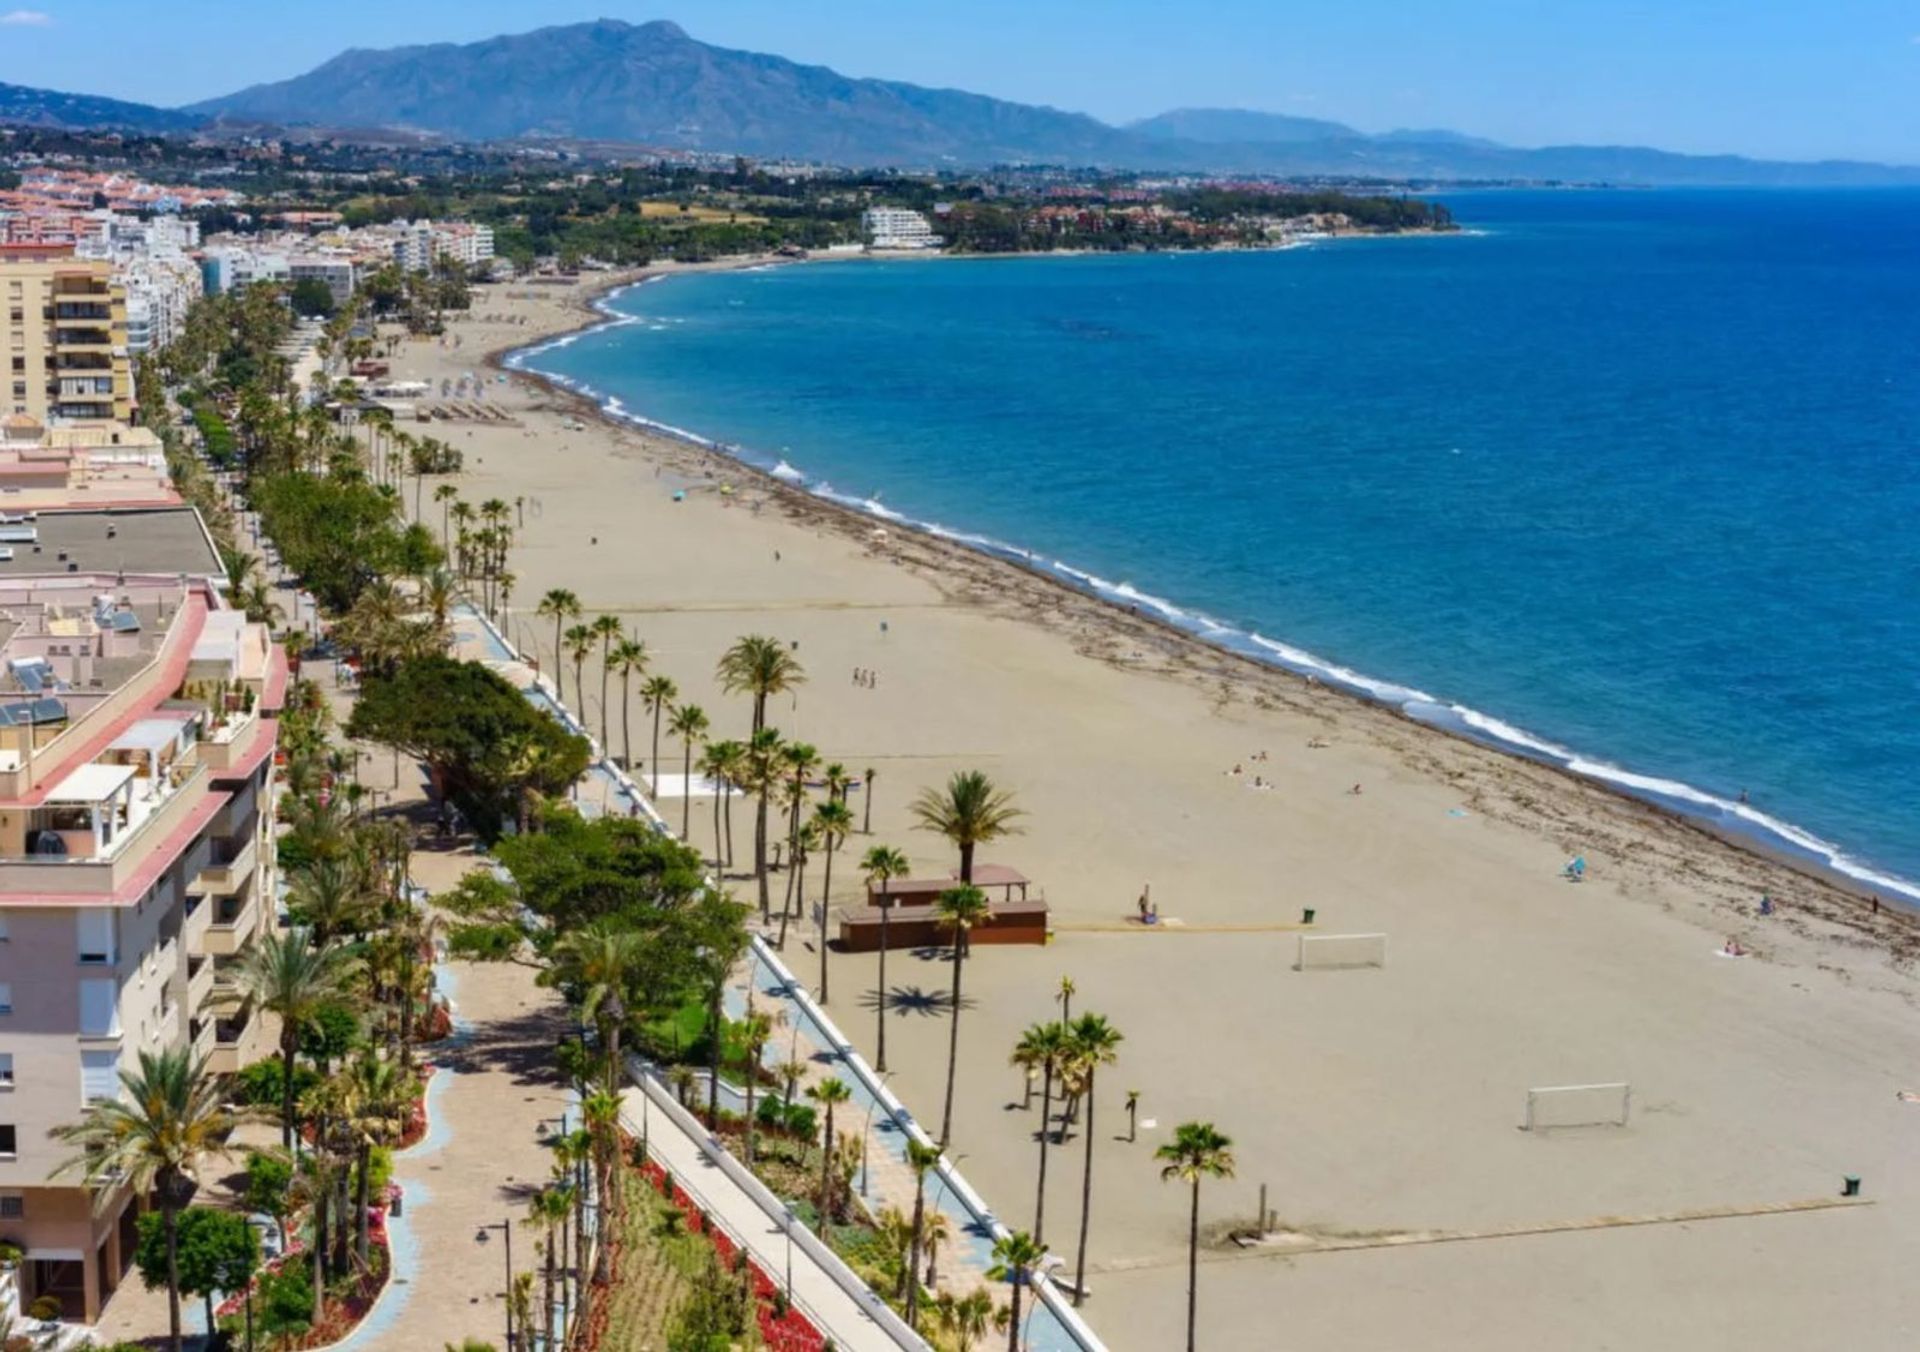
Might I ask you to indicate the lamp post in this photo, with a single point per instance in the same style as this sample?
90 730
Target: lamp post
480 1236
863 1134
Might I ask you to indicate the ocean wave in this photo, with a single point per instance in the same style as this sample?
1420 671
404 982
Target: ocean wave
1772 832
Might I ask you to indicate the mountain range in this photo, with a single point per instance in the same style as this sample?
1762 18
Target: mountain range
652 85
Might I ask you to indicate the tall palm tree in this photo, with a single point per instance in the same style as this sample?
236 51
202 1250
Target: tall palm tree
559 605
798 761
882 864
1094 1043
550 1209
1016 1257
969 812
804 845
866 800
1067 990
599 964
733 766
1043 1047
602 1112
830 1093
292 975
920 1158
833 821
606 628
689 724
375 1106
715 761
1197 1151
762 777
153 1136
444 494
629 657
657 696
579 638
759 666
958 909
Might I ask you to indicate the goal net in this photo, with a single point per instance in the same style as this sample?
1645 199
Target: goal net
1578 1105
1341 950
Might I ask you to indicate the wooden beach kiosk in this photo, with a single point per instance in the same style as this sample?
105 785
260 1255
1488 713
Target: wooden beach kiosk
1017 907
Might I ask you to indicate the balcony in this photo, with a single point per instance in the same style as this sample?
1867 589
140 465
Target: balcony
199 982
200 1038
234 1042
232 925
230 869
99 860
193 929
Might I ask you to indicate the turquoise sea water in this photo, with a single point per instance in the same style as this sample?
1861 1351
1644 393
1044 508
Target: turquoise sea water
1625 480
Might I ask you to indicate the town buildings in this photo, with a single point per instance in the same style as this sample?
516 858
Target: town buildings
137 731
63 347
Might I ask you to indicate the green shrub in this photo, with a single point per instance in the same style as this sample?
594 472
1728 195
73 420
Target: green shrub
285 1302
259 1084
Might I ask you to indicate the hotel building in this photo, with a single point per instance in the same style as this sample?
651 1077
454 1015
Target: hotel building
63 348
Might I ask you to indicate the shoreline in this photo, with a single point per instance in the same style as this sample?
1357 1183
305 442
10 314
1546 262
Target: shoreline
1769 841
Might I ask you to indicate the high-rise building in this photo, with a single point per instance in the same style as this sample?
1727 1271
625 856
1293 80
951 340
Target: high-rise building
63 348
137 732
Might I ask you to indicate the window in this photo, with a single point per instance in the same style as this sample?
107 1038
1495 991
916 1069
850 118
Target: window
13 1207
3 929
99 1008
6 998
94 927
99 1075
6 1070
9 1139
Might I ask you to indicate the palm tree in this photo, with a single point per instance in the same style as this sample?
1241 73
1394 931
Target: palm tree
937 1231
959 909
882 865
920 1159
866 800
579 639
602 1112
606 628
715 761
1197 1151
294 976
968 1317
331 898
969 812
833 821
444 494
1067 989
559 605
804 845
759 666
798 760
755 1032
153 1136
733 766
689 724
629 657
829 1092
1094 1043
1042 1047
657 697
1016 1257
550 1209
762 776
374 1108
599 963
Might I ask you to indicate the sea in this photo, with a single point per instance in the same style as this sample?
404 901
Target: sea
1624 481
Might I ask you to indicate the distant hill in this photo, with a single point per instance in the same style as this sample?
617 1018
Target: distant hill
1238 126
652 85
22 106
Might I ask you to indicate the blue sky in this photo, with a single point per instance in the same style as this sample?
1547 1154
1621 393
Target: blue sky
1798 79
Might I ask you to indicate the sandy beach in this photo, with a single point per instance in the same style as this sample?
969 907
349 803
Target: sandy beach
1378 1105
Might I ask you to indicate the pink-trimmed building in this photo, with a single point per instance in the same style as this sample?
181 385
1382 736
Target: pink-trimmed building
137 732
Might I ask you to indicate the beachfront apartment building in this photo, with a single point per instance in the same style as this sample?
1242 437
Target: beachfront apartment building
418 245
897 228
333 269
234 267
137 732
63 347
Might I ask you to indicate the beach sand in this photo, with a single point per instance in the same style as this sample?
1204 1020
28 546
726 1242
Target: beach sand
1369 1101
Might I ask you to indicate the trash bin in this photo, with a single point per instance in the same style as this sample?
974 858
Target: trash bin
1306 916
1850 1186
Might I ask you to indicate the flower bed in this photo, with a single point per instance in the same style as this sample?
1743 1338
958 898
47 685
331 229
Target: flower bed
340 1314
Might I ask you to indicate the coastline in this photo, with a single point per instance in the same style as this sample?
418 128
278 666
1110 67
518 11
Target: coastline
1380 1101
1769 842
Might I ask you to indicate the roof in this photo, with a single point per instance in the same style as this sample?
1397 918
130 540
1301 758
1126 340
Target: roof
91 783
997 875
134 540
149 734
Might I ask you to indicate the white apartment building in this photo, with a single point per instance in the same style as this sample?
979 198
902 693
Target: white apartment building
233 267
897 228
418 245
335 268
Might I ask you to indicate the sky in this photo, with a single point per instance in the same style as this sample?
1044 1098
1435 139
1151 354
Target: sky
1789 79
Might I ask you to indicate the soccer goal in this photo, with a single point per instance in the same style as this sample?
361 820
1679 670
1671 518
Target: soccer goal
1578 1105
1341 950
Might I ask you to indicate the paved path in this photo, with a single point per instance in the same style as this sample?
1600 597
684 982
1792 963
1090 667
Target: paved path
822 1299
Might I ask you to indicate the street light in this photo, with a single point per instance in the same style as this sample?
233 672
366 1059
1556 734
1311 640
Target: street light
863 1133
480 1236
1046 1265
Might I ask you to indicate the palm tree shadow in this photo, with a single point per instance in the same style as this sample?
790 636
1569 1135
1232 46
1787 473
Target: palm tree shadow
905 1000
